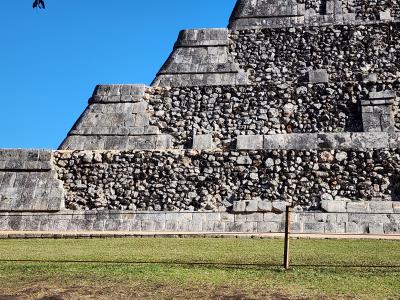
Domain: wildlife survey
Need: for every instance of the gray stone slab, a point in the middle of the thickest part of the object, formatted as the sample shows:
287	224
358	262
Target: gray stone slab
250	142
318	76
370	140
333	206
203	142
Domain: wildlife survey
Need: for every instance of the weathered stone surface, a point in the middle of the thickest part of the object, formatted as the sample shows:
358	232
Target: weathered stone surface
333	206
203	142
318	76
381	206
201	57
250	142
28	183
219	180
290	13
283	102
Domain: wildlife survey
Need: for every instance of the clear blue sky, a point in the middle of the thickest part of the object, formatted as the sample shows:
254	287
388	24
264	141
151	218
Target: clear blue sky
52	59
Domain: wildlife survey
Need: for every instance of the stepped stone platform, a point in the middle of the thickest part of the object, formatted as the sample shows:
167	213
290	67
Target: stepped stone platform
296	103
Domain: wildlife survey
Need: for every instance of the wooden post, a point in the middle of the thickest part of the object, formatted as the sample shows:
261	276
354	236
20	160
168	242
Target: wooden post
286	264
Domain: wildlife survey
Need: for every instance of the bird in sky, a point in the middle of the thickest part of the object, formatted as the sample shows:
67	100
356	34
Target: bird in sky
39	4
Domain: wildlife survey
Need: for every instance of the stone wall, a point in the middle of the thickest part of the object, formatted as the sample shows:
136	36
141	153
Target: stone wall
215	180
229	111
347	52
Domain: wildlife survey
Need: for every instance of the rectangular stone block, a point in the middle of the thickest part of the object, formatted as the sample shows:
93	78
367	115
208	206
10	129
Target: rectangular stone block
368	218
268	227
250	142
361	206
318	76
302	141
381	206
333	206
334	141
396	207
370	140
203	142
356	228
376	228
314	227
385	15
335	227
391	228
255	217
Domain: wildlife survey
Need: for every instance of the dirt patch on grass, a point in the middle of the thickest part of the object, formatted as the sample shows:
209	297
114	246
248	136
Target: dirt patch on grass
158	292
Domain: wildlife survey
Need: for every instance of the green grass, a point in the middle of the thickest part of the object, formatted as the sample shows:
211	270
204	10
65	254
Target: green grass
322	269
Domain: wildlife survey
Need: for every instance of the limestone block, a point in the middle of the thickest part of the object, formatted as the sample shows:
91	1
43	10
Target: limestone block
318	76
203	142
314	227
202	37
396	207
251	206
370	140
239	206
381	206
334	141
226	217
360	206
255	217
164	141
391	228
385	15
264	206
302	141
335	227
368	218
356	228
278	141
274	217
376	228
268	227
250	142
333	206
291	141
279	207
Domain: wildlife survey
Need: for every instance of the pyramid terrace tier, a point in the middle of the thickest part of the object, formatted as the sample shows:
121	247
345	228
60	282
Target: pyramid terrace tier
345	52
226	180
290	13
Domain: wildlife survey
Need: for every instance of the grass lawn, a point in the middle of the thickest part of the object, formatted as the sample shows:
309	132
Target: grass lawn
162	268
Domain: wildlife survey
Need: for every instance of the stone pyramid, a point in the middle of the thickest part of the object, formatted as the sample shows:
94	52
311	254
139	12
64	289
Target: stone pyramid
295	103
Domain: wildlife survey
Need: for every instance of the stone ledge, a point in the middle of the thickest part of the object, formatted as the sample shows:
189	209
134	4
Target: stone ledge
320	141
119	89
25	160
203	37
114	142
205	223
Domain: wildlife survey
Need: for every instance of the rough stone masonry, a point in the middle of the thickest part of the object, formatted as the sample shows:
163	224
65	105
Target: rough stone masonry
295	103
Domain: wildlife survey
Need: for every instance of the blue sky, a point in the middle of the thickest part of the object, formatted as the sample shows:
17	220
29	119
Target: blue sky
52	59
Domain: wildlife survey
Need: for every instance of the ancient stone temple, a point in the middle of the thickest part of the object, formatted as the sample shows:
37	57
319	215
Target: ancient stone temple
295	103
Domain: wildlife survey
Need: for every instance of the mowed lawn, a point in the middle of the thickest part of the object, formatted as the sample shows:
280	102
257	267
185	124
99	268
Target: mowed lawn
202	268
